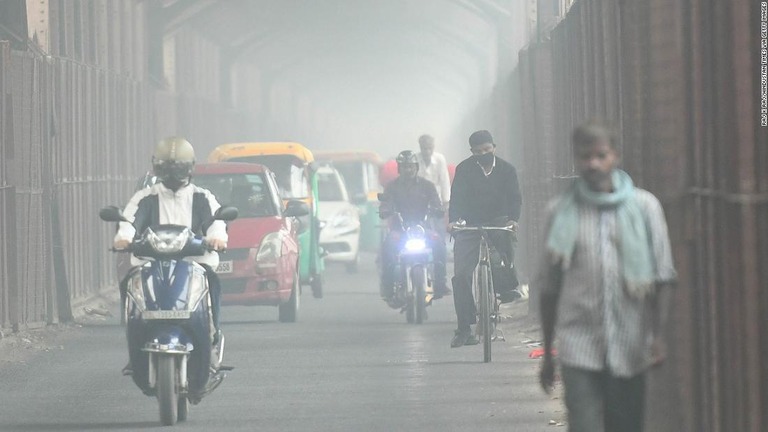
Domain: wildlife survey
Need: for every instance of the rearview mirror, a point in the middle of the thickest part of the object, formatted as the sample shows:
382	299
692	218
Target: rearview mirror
296	208
226	213
111	214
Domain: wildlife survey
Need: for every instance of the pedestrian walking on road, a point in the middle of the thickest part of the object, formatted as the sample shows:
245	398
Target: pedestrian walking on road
604	288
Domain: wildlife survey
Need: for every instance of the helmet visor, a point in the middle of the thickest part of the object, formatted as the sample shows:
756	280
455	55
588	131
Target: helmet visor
172	170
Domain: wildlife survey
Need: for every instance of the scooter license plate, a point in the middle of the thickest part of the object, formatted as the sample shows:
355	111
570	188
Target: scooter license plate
166	314
224	267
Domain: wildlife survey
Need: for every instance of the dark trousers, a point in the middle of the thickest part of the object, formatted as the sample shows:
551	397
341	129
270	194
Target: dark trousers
466	252
391	246
600	402
214	290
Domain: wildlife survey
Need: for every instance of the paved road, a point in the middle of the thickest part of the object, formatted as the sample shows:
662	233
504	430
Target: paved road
350	364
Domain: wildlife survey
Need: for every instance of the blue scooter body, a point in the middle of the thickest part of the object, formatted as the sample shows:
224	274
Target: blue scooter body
173	317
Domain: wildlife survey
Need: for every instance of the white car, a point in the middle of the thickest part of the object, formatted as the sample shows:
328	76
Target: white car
339	219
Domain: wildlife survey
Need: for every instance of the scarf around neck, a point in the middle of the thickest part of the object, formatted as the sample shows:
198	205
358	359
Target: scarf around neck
635	256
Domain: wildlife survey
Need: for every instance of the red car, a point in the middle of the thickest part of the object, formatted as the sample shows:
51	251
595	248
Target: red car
260	266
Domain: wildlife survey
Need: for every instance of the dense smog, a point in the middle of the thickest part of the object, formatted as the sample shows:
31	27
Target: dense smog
384	215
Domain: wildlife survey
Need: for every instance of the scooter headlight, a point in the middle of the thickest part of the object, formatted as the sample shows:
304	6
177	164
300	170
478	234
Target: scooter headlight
168	242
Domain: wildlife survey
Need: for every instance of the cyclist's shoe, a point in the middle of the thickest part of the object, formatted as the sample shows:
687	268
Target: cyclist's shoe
460	338
394	302
128	369
519	293
472	340
509	296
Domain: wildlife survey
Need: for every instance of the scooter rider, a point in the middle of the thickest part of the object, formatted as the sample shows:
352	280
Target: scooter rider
414	198
175	200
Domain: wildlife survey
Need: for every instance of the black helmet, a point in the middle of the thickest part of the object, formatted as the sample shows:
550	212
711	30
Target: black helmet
173	161
407	157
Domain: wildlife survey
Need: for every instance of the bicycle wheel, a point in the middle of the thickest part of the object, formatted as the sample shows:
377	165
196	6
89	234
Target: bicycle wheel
485	311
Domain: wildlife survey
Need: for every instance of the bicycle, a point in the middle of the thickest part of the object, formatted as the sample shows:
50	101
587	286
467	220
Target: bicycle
486	303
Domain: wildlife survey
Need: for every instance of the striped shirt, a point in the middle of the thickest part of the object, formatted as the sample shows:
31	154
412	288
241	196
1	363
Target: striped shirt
599	326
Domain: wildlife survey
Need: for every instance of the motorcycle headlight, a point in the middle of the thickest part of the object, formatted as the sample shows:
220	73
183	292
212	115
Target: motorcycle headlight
344	218
415	244
416	239
271	247
167	242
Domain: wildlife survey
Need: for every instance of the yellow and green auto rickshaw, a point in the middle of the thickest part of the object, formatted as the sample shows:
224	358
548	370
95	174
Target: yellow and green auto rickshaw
360	170
293	166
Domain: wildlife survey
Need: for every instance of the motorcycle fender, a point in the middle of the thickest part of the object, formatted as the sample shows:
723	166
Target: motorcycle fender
170	340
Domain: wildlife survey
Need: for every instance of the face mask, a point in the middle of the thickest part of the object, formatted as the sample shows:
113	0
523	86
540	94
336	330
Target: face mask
484	159
174	184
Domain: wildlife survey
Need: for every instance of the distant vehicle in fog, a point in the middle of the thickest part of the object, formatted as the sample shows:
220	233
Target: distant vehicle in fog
360	171
340	219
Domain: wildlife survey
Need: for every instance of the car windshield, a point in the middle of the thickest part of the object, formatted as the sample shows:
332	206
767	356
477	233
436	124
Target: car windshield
289	172
329	187
352	173
248	192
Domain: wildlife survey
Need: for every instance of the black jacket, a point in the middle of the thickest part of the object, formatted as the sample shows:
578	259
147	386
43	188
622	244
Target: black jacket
482	200
412	199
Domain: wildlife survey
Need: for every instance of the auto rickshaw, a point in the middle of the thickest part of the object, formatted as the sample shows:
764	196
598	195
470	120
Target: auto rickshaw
293	166
360	170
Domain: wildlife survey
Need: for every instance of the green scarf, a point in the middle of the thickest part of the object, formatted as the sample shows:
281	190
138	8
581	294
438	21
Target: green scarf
635	255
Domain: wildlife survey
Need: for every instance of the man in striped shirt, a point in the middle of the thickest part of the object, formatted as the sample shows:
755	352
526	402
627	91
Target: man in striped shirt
604	283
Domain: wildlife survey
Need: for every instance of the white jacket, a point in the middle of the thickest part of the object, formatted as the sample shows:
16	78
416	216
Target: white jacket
190	206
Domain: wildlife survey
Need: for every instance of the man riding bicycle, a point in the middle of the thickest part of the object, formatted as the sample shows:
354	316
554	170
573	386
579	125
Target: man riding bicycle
414	198
485	192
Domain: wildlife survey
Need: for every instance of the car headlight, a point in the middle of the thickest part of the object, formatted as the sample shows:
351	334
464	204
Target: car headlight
167	242
271	247
344	218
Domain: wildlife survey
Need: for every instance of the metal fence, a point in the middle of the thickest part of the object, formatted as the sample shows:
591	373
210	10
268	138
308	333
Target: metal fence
678	79
74	138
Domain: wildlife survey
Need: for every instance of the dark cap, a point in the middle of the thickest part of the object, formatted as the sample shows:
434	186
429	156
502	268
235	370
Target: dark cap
480	137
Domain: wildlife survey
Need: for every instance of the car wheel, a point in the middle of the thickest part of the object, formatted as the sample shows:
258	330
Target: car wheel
289	312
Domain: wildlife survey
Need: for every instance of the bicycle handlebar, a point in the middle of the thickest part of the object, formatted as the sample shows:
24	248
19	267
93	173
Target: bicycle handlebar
484	228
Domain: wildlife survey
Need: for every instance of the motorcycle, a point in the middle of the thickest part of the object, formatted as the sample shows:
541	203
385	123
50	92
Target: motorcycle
414	267
169	326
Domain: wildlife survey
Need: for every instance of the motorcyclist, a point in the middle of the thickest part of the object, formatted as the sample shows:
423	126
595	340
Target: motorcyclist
175	200
414	198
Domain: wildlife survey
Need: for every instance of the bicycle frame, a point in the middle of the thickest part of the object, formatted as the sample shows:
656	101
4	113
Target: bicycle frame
486	304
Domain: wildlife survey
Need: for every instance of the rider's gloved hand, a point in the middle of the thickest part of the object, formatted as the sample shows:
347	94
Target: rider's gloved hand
215	244
121	244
